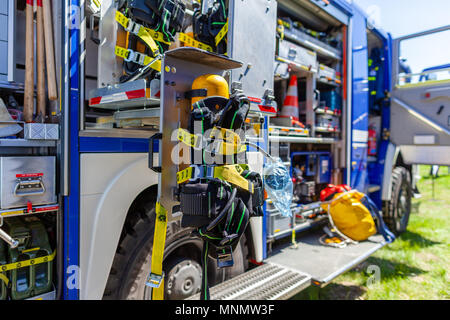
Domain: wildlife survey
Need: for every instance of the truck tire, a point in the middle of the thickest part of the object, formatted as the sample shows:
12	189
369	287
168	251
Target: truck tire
399	208
182	257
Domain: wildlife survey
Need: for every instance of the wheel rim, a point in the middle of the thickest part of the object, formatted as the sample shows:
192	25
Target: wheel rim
181	281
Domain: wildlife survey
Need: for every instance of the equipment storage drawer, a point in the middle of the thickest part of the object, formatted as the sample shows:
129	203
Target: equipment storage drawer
327	73
301	56
25	180
277	223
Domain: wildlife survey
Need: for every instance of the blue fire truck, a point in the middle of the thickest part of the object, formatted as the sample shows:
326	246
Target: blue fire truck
85	196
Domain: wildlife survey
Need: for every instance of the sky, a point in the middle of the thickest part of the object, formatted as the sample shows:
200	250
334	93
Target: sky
403	17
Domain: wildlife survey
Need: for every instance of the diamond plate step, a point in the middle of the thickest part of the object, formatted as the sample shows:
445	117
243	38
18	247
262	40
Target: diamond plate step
266	282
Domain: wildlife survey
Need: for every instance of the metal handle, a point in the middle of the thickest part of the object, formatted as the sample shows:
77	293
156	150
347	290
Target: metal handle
29	182
8	239
292	54
157	136
94	38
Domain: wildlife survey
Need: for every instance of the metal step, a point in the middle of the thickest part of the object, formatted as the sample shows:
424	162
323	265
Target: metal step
323	263
266	282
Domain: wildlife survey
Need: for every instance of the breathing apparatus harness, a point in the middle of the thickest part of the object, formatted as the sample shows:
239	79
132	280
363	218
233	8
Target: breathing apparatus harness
212	26
218	193
151	27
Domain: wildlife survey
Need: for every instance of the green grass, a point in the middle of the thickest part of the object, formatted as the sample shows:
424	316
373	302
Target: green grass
416	265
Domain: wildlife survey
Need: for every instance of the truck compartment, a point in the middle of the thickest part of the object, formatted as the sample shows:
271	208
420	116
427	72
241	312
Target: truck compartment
29	166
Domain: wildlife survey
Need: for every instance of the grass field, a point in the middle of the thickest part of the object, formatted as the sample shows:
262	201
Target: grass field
416	265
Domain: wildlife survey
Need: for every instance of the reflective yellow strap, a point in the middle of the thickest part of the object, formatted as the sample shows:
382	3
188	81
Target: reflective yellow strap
280	29
184	175
142	32
220	147
159	242
147	38
191	42
121	19
4	279
232	174
27	263
97	3
228	149
124	54
188	138
158	36
226	135
229	173
222	33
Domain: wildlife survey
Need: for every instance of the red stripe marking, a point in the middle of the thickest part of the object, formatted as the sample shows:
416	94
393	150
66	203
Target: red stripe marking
255	100
135	94
95	101
29	175
267	108
30	2
39	3
47	209
256	262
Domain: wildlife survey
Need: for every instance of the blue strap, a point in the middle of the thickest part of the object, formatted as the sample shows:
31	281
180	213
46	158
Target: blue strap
388	236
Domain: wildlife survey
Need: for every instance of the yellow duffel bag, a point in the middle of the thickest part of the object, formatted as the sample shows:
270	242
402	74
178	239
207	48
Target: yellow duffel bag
350	216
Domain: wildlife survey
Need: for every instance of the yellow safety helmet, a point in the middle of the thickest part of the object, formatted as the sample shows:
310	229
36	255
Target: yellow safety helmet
214	85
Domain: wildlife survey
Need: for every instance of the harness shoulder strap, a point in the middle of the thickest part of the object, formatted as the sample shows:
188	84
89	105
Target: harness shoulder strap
138	30
156	277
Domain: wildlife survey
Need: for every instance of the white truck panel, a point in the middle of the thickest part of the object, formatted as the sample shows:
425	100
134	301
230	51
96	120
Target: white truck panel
104	205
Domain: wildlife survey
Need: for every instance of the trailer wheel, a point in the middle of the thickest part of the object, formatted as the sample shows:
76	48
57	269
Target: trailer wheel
182	257
399	208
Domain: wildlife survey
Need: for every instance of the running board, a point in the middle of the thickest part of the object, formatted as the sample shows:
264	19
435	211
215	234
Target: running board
290	270
266	282
323	263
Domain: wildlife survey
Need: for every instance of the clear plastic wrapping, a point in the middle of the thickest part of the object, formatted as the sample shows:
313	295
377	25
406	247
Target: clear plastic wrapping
278	185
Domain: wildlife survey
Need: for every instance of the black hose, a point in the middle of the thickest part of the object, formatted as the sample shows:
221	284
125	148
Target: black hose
224	211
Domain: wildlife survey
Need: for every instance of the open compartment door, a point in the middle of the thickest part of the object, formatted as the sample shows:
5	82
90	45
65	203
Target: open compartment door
420	105
251	38
180	67
323	263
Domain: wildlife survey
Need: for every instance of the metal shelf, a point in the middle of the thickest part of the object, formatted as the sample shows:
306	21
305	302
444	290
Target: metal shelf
24	143
291	139
328	83
323	111
7	213
296	67
135	94
288	131
312	43
326	130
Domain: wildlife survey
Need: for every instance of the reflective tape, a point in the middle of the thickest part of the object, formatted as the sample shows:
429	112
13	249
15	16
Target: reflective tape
137	57
191	42
222	33
27	263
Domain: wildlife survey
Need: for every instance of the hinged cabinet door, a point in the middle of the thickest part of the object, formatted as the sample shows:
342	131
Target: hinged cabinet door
420	104
251	39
